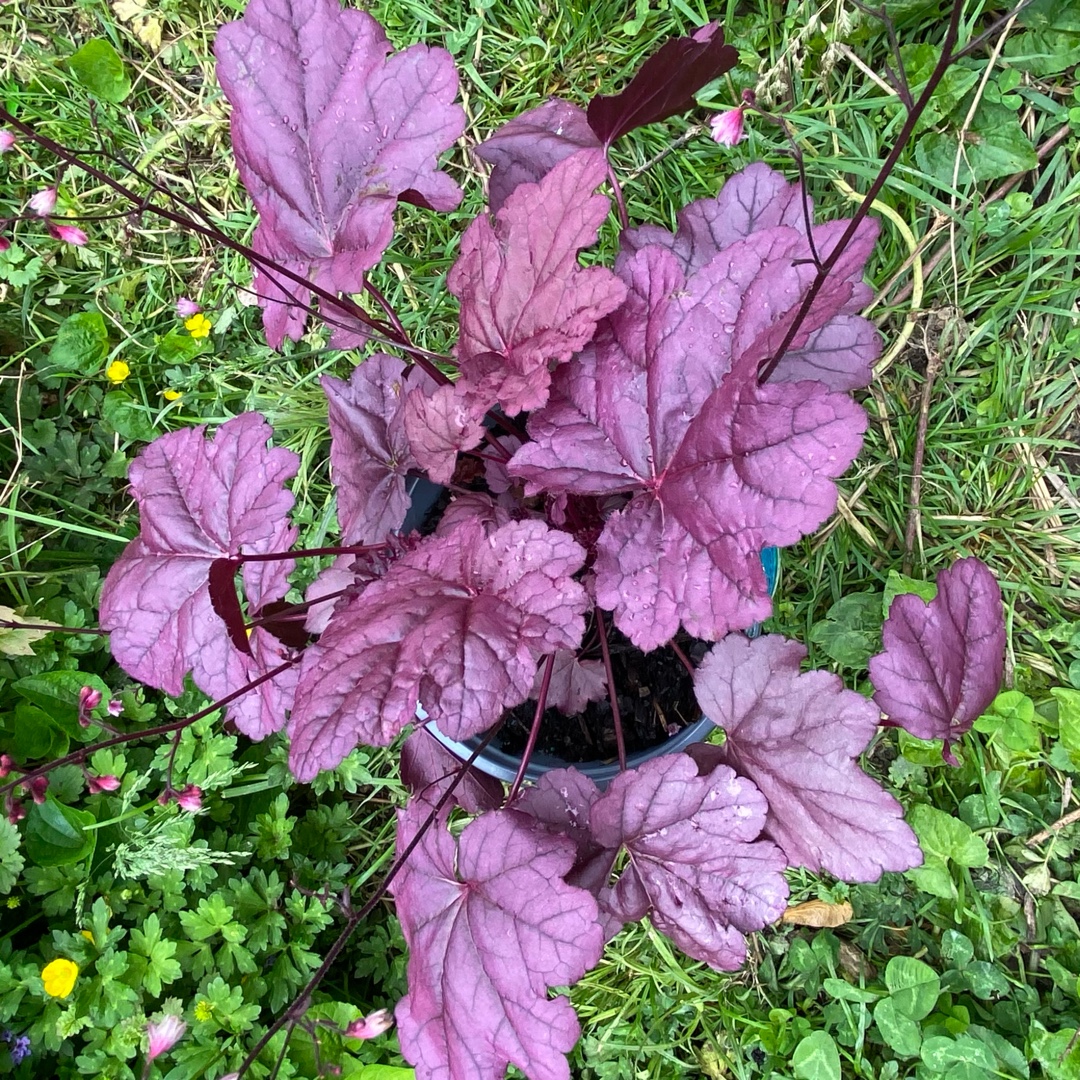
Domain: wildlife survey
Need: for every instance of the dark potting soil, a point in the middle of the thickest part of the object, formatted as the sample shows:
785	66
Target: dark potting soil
656	700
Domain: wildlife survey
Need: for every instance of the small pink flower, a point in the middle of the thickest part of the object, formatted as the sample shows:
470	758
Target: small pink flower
367	1027
164	1035
190	798
15	811
97	784
4	243
727	127
5	765
38	786
115	707
68	233
44	202
185	308
7	140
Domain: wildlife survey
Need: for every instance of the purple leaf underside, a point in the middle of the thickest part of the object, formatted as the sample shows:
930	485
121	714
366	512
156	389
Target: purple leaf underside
798	738
329	129
490	926
664	85
370	452
202	501
944	660
525	301
457	624
573	684
428	769
664	406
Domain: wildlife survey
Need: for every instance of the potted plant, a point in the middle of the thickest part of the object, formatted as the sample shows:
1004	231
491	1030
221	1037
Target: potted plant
619	444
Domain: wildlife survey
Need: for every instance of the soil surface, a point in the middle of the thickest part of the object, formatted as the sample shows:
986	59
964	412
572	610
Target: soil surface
655	696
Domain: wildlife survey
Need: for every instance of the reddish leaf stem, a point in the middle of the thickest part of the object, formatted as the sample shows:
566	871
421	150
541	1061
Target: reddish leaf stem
15	624
303	1000
913	116
534	731
77	757
682	657
620	743
305	553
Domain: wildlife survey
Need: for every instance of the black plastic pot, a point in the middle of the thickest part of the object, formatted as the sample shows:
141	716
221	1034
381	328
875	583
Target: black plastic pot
503	766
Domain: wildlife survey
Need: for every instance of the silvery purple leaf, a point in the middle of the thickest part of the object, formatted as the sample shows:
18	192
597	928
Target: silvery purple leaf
491	926
944	660
457	624
696	865
524	150
798	737
665	406
330	128
369	451
200	501
573	684
525	301
439	424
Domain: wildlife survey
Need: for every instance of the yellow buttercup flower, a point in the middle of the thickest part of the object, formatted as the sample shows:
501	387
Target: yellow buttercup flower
13	902
117	372
171	395
198	326
59	977
203	1009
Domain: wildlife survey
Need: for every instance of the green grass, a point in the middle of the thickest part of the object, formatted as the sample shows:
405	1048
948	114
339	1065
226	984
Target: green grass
999	476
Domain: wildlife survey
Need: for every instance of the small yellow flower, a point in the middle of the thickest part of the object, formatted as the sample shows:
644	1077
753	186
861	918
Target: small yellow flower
117	372
59	977
203	1009
88	934
13	902
171	395
198	326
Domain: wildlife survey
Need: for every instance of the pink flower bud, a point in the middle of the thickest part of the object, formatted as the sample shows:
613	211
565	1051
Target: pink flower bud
185	308
89	698
727	127
4	244
115	707
190	798
68	233
164	1035
15	811
7	140
38	786
44	202
5	765
97	784
367	1027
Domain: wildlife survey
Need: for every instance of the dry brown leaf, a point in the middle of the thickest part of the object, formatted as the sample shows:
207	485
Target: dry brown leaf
818	913
145	27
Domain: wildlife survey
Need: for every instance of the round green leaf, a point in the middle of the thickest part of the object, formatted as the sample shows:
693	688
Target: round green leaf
900	1033
816	1058
128	419
36	736
98	67
914	987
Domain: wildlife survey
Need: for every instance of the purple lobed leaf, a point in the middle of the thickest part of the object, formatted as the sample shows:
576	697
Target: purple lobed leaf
943	661
525	301
329	130
370	452
573	684
491	926
201	501
665	406
664	85
524	150
458	624
695	863
798	737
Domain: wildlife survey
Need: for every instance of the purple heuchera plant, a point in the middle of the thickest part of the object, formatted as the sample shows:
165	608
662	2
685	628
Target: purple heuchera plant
635	467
